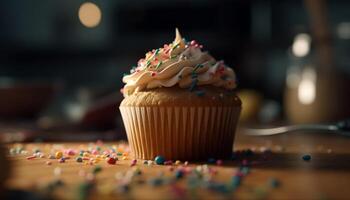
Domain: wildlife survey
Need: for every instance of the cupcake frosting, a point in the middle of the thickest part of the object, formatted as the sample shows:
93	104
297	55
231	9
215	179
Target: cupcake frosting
179	63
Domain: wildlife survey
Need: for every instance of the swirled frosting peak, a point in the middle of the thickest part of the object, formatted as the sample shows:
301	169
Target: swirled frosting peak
178	63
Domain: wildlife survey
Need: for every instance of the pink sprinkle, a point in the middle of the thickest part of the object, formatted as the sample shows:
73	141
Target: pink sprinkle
48	162
71	152
122	90
193	42
201	46
30	157
244	162
133	162
219	162
94	152
187	169
196	45
168	162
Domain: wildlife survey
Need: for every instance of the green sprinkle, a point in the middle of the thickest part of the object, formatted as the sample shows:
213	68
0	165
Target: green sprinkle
174	56
159	64
148	63
156	52
97	169
175	46
197	66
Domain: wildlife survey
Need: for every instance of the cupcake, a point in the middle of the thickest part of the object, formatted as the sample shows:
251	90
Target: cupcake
179	102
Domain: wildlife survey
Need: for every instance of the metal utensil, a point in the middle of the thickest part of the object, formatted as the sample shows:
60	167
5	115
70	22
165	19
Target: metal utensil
341	128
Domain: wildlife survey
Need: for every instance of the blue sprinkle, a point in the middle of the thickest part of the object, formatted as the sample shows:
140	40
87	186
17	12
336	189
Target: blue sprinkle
236	181
245	170
156	181
274	183
193	85
218	187
194	75
306	157
159	160
233	156
200	93
248	152
212	160
179	174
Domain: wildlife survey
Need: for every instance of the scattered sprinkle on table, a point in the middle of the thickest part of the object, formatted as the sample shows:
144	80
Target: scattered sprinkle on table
306	157
159	160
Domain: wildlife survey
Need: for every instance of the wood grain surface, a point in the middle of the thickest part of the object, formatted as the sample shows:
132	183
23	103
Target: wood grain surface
325	176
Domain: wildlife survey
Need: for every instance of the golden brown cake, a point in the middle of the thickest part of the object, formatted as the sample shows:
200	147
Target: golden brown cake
180	103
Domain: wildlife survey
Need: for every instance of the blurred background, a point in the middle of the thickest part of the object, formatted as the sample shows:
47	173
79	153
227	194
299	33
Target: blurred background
62	61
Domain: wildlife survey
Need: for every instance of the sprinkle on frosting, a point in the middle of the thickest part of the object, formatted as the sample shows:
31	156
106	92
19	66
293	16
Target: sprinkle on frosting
178	63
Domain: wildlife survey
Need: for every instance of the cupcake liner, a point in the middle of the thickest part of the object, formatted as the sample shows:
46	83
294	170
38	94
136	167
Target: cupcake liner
184	133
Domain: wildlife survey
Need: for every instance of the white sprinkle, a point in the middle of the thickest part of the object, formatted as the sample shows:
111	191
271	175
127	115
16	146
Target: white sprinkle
57	171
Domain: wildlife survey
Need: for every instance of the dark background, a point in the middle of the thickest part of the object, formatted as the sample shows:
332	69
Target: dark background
45	41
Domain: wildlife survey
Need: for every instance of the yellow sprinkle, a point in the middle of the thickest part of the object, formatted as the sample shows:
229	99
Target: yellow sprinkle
86	154
59	154
177	162
124	158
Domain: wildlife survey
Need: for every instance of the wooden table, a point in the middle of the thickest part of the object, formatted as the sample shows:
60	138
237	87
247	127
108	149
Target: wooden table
325	176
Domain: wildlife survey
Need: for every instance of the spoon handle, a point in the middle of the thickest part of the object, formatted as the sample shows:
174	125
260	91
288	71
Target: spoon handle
341	127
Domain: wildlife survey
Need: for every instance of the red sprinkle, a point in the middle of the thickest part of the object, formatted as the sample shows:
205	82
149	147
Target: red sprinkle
30	157
111	161
153	74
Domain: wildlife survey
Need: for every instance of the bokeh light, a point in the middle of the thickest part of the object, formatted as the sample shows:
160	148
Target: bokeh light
90	14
